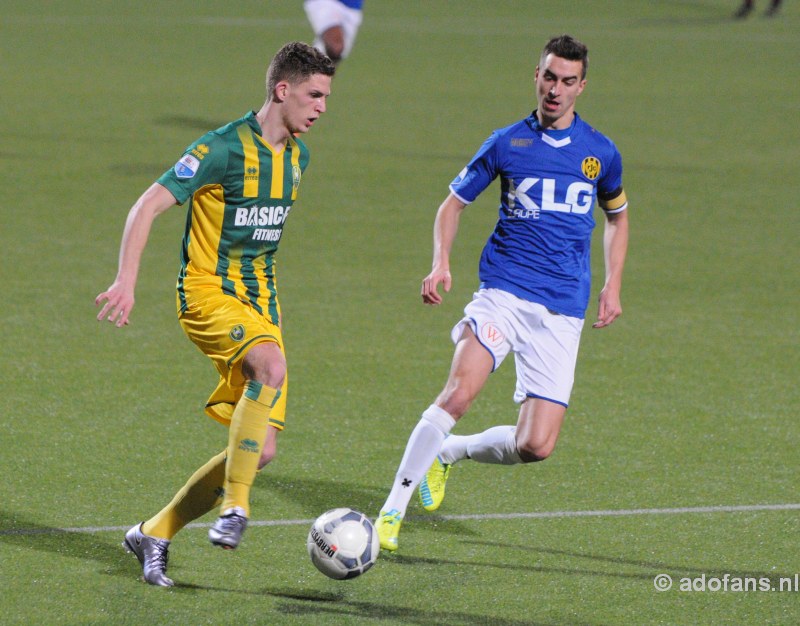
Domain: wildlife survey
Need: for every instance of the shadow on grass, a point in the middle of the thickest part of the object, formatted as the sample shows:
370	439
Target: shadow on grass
309	603
25	533
288	594
654	567
405	615
519	567
316	496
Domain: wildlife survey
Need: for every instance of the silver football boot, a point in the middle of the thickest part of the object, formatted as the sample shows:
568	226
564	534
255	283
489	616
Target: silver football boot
227	530
152	554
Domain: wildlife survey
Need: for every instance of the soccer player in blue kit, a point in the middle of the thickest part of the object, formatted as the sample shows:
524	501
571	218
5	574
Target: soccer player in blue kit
335	24
534	282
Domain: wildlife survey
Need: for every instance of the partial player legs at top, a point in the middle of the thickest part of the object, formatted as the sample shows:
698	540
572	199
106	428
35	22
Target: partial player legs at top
333	41
747	6
335	24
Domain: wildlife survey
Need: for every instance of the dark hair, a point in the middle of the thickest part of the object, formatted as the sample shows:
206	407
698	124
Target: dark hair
296	62
567	48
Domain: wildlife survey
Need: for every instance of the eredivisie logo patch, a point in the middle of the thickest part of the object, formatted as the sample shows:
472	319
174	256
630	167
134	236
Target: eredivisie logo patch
187	166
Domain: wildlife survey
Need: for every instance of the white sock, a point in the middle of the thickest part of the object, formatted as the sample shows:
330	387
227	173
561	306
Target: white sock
422	447
495	445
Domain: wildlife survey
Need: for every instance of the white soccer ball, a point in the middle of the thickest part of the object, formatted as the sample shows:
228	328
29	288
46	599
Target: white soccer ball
343	543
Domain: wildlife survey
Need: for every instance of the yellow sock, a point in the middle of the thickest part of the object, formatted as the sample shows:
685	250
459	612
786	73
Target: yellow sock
245	440
201	493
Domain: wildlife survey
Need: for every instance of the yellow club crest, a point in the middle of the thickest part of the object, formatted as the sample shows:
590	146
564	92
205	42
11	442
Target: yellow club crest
591	167
237	332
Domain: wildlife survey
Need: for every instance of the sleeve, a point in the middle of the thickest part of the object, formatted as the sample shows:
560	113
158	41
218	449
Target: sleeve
610	194
479	172
203	163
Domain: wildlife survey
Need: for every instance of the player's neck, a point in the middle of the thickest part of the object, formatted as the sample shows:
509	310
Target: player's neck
273	130
559	123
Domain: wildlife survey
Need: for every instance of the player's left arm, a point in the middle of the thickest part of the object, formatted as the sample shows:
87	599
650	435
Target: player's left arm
615	249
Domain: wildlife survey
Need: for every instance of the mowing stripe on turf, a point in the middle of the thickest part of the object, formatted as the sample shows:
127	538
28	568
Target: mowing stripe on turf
746	508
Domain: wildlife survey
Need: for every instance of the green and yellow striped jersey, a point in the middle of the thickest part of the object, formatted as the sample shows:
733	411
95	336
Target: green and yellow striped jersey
240	191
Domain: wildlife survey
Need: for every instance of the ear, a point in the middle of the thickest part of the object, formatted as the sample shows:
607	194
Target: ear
581	86
281	91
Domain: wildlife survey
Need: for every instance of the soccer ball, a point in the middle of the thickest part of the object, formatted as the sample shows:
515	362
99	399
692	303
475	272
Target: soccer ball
343	543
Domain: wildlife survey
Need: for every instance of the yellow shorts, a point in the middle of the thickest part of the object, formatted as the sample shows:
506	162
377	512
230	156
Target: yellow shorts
224	329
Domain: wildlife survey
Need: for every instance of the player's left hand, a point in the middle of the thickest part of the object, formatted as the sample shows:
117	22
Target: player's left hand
609	308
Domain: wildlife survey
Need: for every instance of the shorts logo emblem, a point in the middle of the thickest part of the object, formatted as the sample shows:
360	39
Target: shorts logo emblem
492	335
237	332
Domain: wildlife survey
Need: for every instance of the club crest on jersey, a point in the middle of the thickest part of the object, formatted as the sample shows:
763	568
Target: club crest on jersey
187	166
591	167
237	332
296	173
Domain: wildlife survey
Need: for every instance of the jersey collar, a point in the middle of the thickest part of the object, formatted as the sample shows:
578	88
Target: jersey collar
555	138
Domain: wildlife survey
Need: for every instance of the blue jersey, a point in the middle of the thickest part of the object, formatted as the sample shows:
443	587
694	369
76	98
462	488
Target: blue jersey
549	182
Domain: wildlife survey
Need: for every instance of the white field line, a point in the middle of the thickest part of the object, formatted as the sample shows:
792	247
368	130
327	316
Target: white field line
747	508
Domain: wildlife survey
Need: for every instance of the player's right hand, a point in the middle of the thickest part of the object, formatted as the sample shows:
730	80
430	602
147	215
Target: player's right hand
118	304
430	286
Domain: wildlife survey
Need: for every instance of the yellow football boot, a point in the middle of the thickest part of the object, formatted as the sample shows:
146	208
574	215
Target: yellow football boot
431	488
388	527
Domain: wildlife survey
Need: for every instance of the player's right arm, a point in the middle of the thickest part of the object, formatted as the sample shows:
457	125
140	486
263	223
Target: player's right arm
445	228
118	297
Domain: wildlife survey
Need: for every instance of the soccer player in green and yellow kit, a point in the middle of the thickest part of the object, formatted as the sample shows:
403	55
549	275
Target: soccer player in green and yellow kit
241	181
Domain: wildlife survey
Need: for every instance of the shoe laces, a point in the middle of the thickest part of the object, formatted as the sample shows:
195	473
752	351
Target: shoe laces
160	555
439	476
391	517
232	521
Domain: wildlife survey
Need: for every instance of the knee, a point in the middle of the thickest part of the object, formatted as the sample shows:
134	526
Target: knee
334	53
455	401
333	39
265	364
275	374
533	451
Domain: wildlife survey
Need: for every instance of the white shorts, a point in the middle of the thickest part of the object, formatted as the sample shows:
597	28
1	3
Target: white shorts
325	14
545	344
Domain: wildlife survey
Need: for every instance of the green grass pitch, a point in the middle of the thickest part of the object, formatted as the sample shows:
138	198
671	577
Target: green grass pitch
679	453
